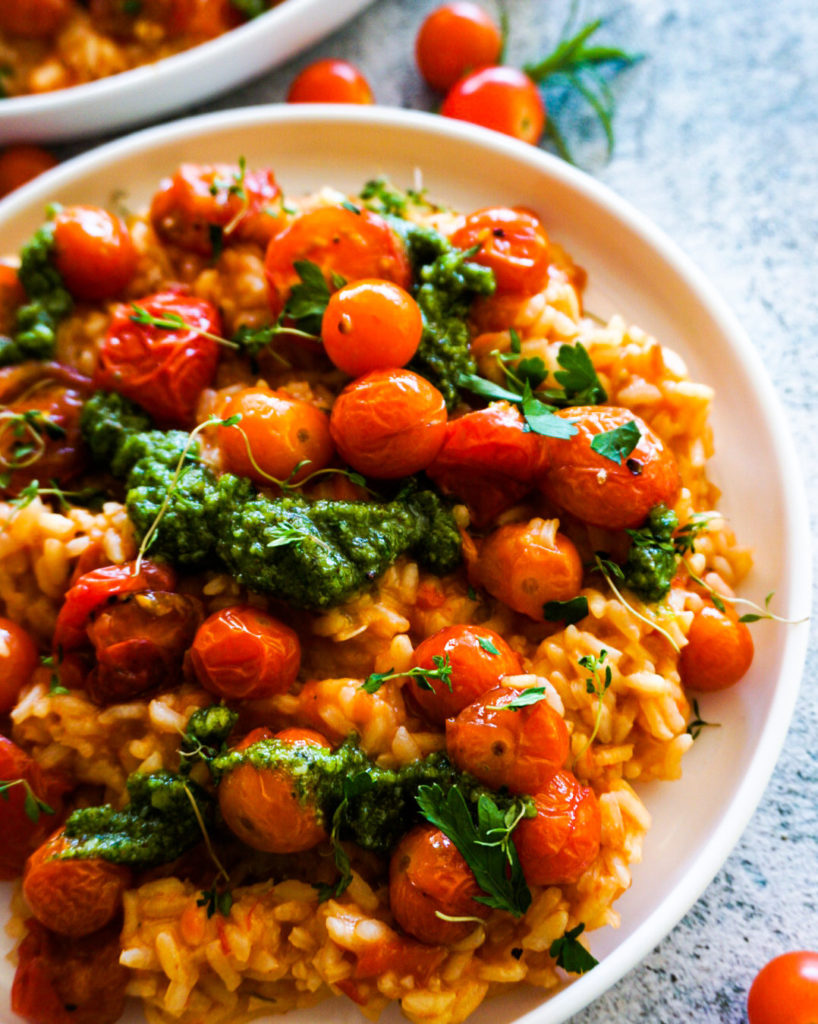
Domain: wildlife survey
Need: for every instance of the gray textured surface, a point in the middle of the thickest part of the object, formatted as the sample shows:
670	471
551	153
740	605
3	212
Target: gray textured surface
717	142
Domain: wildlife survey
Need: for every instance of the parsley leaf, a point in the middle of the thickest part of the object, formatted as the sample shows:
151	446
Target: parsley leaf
566	611
533	695
578	378
617	444
570	954
308	299
539	417
216	901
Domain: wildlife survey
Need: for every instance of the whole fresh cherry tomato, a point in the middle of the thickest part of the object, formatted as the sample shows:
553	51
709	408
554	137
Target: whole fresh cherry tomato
718	652
389	423
518	748
427	874
72	897
342	243
18	659
262	807
525	565
162	368
562	841
454	39
34	19
19	164
371	325
476	657
595	488
29	807
330	81
501	98
216	203
785	990
512	243
93	251
281	432
242	653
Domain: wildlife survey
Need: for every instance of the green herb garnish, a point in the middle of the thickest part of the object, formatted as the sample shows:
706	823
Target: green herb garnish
422	676
566	611
570	954
617	444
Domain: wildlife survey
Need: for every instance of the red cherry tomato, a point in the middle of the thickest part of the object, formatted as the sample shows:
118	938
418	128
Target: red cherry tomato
163	369
24	826
785	990
93	251
513	244
478	658
18	659
280	431
330	81
224	202
454	39
371	325
718	652
34	19
342	243
596	489
427	874
19	164
389	423
242	653
519	749
501	98
562	841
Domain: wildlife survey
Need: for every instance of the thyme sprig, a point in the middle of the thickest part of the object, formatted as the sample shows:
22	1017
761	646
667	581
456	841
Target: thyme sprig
29	430
33	806
422	676
598	683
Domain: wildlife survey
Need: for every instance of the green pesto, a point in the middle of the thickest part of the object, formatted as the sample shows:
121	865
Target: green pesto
206	735
651	561
107	421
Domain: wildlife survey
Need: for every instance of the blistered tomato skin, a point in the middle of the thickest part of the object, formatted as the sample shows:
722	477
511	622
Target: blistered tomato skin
718	652
596	489
330	81
785	991
94	252
512	243
19	164
389	423
500	97
20	833
453	40
242	653
519	749
18	659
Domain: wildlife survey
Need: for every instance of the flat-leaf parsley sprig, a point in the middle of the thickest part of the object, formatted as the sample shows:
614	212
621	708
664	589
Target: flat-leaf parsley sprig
570	954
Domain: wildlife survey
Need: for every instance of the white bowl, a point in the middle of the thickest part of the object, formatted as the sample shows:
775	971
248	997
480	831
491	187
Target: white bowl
148	92
635	269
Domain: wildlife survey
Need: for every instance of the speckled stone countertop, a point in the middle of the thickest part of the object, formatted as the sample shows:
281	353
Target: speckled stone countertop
717	142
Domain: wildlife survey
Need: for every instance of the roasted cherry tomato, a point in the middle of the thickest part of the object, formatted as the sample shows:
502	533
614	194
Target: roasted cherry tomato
371	325
29	807
216	203
162	368
18	659
404	956
330	81
69	981
562	841
512	243
389	423
525	565
242	653
595	488
501	98
281	433
454	39
427	873
73	897
19	164
785	990
93	251
477	659
489	460
126	21
718	652
262	807
34	19
518	748
12	296
342	243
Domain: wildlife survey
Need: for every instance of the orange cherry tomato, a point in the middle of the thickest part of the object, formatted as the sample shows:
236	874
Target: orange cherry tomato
281	433
389	423
342	243
501	98
34	19
562	841
242	653
371	325
93	251
524	565
718	652
330	81
454	39
519	749
785	990
19	164
478	658
163	369
22	828
261	806
513	244
72	897
596	489
18	659
12	296
427	873
202	204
